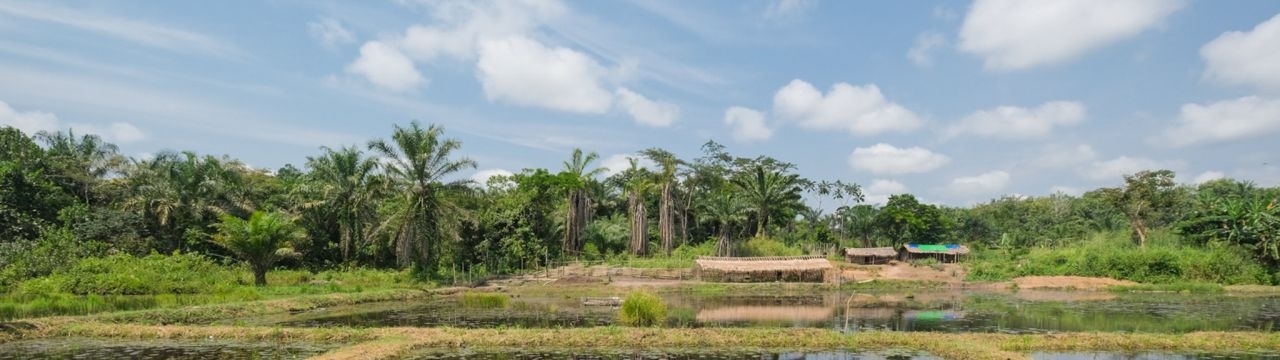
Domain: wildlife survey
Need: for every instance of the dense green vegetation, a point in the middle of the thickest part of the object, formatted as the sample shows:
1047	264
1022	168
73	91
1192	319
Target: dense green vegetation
72	208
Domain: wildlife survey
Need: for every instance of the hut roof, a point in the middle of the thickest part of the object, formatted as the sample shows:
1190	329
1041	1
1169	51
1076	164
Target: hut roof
949	249
769	263
880	251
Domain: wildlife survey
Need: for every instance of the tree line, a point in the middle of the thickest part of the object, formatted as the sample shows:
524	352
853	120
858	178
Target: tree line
404	202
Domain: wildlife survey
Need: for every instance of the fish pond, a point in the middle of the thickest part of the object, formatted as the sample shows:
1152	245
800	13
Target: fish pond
80	348
1021	312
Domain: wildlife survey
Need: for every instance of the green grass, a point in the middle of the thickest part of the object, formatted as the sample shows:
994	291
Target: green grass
1198	288
641	308
478	300
1114	255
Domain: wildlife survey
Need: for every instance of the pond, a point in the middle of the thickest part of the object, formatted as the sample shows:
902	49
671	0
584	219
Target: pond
1026	311
572	354
78	348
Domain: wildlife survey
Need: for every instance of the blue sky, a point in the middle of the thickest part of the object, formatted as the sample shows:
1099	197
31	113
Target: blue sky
955	101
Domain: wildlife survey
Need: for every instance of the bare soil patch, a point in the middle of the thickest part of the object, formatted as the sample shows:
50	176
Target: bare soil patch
946	273
1068	282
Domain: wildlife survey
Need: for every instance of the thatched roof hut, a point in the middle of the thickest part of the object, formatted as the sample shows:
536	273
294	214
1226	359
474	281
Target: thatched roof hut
944	253
880	255
763	269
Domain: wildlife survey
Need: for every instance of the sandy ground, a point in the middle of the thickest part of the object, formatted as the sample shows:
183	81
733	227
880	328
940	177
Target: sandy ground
949	273
1068	282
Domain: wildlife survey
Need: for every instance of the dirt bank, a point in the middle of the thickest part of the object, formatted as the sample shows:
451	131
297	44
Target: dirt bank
1068	282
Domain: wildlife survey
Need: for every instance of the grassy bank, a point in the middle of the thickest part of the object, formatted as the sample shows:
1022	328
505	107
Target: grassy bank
1165	260
949	346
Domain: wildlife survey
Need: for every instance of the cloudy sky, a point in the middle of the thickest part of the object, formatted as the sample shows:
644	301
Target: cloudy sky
954	101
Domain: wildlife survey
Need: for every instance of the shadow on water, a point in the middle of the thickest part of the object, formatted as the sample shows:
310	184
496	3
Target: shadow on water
1026	311
75	348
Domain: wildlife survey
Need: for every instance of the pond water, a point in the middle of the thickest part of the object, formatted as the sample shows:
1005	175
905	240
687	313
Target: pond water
432	354
1151	356
77	348
940	311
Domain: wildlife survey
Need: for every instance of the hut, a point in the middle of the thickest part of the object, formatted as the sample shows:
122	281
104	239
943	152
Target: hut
947	253
880	255
763	269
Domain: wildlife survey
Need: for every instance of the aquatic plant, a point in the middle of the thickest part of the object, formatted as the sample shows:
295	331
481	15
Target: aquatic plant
483	300
642	308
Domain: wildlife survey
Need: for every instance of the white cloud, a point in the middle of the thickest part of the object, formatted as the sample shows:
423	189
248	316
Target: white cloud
148	34
386	67
1017	34
1208	176
1251	57
887	159
522	71
1018	123
861	110
330	33
748	125
1069	190
1222	121
1116	169
481	178
878	192
926	42
32	122
29	122
618	163
645	111
982	184
787	9
1055	156
463	25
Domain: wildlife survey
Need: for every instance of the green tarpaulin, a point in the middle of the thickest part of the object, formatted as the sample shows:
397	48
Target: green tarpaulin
937	248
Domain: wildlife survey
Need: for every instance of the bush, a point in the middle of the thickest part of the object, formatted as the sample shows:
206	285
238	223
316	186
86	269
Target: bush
53	250
483	300
686	251
763	246
128	275
642	309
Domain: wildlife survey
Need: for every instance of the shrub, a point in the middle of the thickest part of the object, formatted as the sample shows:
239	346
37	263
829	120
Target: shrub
483	300
642	309
763	246
53	250
128	275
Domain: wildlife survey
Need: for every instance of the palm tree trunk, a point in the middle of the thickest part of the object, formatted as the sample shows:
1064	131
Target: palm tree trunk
259	274
722	245
665	227
760	222
639	230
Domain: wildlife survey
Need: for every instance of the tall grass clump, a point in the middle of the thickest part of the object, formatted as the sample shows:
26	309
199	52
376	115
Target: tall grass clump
484	300
642	308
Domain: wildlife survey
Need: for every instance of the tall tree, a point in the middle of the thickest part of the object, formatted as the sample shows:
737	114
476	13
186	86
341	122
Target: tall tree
766	190
1141	194
579	203
637	183
348	185
418	161
262	240
665	180
723	208
181	194
80	163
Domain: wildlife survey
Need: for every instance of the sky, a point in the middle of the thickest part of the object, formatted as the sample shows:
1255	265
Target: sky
956	102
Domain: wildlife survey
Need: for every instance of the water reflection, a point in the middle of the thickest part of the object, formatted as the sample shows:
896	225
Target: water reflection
942	311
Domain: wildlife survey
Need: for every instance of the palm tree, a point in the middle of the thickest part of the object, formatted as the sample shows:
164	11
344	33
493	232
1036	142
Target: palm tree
666	180
723	208
183	193
261	241
348	186
417	162
579	207
637	184
80	163
766	191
